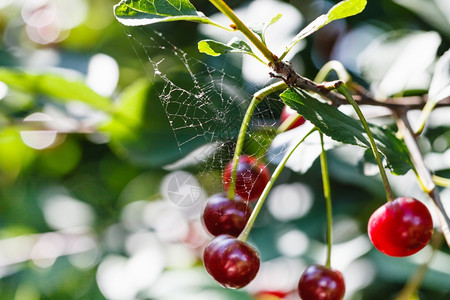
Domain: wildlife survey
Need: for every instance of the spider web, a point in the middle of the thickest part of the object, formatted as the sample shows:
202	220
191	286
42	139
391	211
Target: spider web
204	98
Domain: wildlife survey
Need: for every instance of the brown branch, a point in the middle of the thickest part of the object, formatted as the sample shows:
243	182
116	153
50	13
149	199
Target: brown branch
293	79
361	95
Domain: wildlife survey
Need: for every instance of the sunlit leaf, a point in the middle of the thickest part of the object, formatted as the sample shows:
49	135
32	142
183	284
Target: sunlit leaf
400	61
347	130
341	10
439	88
435	12
440	82
144	12
63	86
215	48
261	29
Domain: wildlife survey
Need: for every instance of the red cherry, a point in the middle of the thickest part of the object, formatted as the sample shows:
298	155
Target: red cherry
225	216
400	227
321	283
286	113
231	262
251	177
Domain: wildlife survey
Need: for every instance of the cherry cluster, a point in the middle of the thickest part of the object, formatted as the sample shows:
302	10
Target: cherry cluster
230	261
401	227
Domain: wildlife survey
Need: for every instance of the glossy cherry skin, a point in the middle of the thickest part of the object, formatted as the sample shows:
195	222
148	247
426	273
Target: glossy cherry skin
251	177
321	283
286	113
223	215
231	262
400	227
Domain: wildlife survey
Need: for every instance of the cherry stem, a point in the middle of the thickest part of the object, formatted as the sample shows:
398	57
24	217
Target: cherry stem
227	11
346	93
425	114
246	231
257	98
335	65
344	76
441	181
327	195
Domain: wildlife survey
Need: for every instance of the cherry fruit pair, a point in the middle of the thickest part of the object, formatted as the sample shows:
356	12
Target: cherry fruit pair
230	261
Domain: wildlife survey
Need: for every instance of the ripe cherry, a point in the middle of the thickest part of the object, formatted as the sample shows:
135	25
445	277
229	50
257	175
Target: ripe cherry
231	262
251	177
321	283
286	113
400	227
223	215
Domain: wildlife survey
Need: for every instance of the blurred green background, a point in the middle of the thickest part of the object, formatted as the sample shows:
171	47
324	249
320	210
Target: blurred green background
92	142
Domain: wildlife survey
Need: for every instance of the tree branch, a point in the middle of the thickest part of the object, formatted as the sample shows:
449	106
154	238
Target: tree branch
361	95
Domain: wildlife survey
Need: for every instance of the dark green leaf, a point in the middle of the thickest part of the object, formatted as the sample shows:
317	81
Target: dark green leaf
347	130
64	86
144	12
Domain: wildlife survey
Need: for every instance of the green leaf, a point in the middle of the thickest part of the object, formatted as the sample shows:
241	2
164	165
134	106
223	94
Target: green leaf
347	130
345	9
65	86
215	48
145	12
341	10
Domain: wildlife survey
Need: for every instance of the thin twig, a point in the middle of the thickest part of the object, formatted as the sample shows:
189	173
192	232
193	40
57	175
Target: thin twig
423	173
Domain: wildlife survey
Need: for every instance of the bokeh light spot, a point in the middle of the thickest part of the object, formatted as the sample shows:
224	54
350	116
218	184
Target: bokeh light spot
290	201
63	212
293	243
103	74
3	90
38	139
